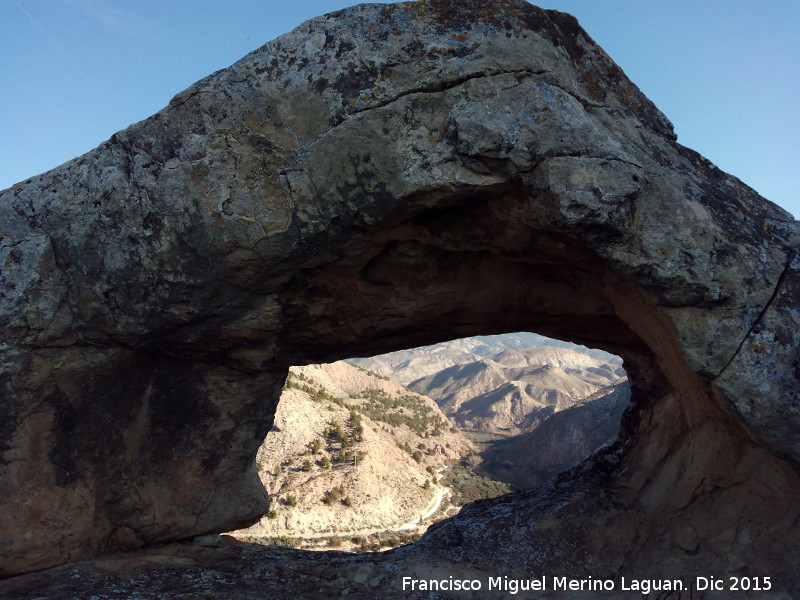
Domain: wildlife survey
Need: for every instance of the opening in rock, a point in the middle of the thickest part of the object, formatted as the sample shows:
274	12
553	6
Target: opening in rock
366	454
301	208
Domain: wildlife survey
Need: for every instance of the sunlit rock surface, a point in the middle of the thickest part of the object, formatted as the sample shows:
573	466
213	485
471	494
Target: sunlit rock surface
384	177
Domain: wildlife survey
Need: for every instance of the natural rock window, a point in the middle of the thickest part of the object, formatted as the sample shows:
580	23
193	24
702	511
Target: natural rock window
384	177
366	454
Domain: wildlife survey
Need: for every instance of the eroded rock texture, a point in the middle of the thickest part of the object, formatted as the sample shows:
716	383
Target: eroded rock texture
384	177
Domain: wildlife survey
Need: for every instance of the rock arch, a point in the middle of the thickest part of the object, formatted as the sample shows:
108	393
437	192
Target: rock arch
387	176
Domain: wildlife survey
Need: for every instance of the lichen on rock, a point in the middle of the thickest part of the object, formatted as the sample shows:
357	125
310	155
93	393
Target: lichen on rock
384	177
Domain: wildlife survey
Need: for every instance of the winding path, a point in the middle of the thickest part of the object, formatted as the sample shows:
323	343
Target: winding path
436	502
433	506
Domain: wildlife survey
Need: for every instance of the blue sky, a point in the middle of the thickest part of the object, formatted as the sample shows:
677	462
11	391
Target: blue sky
727	73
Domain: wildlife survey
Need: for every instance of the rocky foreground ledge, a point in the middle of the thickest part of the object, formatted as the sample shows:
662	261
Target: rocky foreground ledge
384	177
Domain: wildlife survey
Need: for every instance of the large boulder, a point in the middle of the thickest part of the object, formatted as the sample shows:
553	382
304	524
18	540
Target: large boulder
379	178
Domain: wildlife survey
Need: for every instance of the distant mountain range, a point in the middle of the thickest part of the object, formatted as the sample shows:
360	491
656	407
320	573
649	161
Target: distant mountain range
514	391
537	406
406	366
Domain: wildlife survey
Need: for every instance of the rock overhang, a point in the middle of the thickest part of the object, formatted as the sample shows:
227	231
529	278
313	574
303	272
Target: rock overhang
385	175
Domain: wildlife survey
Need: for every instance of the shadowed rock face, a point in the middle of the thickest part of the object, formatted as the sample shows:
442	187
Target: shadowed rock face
383	177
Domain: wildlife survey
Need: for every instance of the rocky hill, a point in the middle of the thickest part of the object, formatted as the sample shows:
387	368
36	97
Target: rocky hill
516	390
535	406
350	453
560	442
382	177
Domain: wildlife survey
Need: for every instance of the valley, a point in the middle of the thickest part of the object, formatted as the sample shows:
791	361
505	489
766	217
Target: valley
366	454
353	454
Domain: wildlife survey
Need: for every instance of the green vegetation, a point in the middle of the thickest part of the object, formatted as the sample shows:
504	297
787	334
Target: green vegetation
478	437
409	409
386	539
333	495
335	434
298	381
415	454
290	500
341	441
356	426
367	371
468	486
282	540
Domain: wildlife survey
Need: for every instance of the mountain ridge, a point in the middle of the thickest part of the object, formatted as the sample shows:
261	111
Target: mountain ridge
406	366
514	390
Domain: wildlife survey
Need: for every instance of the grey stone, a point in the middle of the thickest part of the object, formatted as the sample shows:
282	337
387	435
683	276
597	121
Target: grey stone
384	177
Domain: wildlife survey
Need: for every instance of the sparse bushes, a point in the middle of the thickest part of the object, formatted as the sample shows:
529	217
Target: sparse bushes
334	433
333	495
283	540
409	410
290	500
387	539
356	426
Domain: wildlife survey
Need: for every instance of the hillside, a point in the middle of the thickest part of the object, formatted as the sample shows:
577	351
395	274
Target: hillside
559	442
351	452
516	390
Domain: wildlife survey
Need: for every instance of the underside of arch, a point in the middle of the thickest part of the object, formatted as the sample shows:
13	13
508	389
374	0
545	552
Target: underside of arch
385	177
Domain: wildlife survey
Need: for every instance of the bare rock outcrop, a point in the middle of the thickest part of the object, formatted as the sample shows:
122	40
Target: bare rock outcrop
384	177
